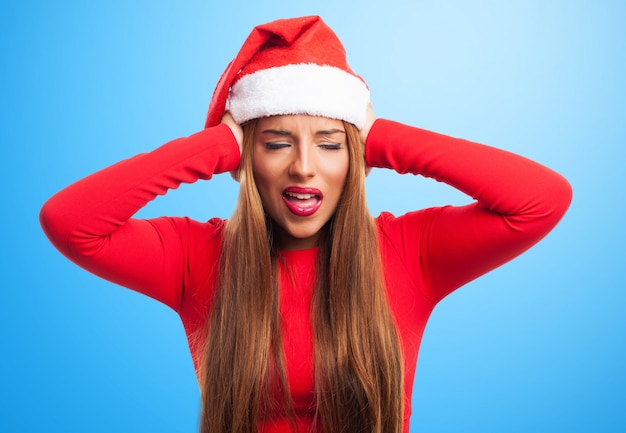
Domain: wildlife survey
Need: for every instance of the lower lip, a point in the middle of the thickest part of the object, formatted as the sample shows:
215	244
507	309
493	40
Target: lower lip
302	211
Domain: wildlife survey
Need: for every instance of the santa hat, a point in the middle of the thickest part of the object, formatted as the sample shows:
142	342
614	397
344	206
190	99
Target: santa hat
290	66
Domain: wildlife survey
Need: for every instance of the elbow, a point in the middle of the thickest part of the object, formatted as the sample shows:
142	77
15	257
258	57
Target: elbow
555	202
48	220
53	220
562	195
545	207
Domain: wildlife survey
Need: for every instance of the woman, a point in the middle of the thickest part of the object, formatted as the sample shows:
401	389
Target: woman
303	312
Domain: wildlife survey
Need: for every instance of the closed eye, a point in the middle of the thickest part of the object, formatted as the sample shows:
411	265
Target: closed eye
331	146
276	146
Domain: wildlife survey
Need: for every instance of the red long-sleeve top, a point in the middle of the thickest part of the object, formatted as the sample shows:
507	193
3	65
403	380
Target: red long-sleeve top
426	254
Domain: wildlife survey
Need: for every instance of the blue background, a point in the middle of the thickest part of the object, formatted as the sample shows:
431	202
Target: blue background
537	345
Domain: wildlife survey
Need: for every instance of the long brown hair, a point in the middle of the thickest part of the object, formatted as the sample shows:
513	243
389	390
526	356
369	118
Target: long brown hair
358	360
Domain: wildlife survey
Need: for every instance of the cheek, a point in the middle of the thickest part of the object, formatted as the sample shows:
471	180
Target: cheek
257	168
338	171
263	179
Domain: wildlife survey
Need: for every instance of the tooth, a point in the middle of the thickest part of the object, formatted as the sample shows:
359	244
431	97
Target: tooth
301	196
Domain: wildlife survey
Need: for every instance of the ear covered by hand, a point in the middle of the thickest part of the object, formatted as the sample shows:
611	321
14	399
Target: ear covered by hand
235	128
237	131
370	118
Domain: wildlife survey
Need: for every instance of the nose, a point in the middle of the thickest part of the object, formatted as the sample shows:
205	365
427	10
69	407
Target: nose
304	164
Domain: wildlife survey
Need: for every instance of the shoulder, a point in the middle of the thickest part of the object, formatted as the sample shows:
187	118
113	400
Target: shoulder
405	240
201	245
210	228
195	238
410	224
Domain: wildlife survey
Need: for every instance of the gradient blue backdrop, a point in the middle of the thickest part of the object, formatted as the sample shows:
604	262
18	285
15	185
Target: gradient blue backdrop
537	345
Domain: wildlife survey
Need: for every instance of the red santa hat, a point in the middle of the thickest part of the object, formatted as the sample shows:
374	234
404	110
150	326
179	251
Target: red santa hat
290	66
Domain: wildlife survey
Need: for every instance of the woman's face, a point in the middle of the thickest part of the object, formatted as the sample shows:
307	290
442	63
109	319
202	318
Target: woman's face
300	165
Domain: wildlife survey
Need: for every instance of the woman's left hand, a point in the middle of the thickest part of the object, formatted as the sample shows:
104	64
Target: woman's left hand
370	117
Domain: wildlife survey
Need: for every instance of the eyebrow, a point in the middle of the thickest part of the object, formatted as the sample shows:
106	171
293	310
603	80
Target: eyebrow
289	133
330	132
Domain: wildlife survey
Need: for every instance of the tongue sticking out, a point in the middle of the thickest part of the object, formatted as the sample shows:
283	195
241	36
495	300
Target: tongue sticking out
302	204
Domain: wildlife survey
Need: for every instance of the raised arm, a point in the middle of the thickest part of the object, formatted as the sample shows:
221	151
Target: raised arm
518	202
91	222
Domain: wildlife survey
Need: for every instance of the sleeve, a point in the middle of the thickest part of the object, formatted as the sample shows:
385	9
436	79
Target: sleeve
517	202
91	222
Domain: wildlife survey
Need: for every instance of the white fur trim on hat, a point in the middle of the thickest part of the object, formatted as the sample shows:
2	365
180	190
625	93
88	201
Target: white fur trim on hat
311	89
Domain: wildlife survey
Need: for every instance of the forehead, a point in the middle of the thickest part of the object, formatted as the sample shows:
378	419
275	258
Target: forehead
299	123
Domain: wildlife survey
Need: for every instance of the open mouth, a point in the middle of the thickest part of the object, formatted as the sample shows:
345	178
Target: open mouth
302	201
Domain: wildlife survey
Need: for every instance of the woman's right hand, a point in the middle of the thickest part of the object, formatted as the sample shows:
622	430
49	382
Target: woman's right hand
235	128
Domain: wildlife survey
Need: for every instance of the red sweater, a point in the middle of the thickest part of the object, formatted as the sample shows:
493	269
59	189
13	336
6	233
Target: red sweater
426	254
